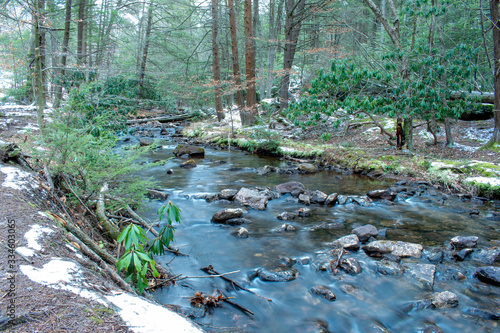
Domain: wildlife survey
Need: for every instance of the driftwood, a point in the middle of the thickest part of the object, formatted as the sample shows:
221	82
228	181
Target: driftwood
164	119
236	305
337	256
210	270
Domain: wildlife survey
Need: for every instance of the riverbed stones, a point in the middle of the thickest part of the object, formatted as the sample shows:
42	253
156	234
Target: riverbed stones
305	199
387	267
318	197
445	299
280	274
287	216
252	198
307	168
145	142
401	249
462	254
289	187
489	274
227	194
349	242
188	164
350	266
285	227
331	199
422	272
365	232
323	291
240	233
487	256
460	242
381	195
305	212
484	314
191	151
221	216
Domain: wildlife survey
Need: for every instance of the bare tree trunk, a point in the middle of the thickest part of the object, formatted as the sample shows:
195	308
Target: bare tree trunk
274	30
144	60
80	34
39	50
64	56
292	29
216	61
495	137
248	116
235	59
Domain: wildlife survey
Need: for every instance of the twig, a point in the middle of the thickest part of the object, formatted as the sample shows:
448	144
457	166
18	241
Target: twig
78	197
22	256
236	305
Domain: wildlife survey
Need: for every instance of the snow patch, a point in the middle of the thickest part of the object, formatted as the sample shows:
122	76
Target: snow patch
140	314
464	147
34	234
481	135
493	181
16	178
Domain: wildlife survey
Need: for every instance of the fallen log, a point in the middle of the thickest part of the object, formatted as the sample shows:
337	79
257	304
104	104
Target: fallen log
163	119
486	97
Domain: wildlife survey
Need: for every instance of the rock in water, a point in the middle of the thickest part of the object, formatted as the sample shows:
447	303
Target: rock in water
192	151
307	168
365	232
227	194
225	214
289	187
188	164
401	249
460	242
251	198
240	233
324	292
282	274
351	266
331	199
349	242
489	274
318	197
445	299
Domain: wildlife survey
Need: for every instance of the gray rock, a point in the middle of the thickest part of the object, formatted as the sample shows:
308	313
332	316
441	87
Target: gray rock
287	216
417	305
460	242
331	199
382	195
192	151
236	221
484	314
318	197
462	254
251	198
188	164
305	199
281	274
227	194
341	199
286	228
489	257
307	168
225	214
435	256
289	187
349	242
240	233
401	249
324	292
266	170
305	212
489	274
386	267
422	272
351	266
445	299
145	142
365	232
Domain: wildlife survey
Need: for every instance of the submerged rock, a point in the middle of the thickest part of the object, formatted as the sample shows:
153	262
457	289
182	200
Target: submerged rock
489	274
484	314
349	242
324	292
188	164
287	216
223	215
381	195
462	254
240	232
365	232
286	228
304	212
387	267
252	198
422	272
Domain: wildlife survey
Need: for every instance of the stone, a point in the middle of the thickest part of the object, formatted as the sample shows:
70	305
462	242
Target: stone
435	256
286	228
192	151
350	266
484	314
287	216
289	187
155	194
417	305
266	170
387	267
225	214
324	292
489	274
488	257
462	254
145	142
445	299
305	212
170	171
188	164
227	194
240	233
422	272
307	168
349	242
236	221
251	198
305	199
401	249
318	197
381	194
281	274
331	199
460	242
341	199
365	232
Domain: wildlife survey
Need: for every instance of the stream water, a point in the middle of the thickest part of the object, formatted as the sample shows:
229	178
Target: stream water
367	302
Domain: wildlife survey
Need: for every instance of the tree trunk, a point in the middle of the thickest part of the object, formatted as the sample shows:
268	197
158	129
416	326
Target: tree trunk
449	135
80	60
495	138
142	70
235	60
292	29
216	61
250	112
64	56
39	49
274	30
408	129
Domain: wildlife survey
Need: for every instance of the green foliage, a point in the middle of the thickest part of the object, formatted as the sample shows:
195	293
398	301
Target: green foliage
325	136
138	257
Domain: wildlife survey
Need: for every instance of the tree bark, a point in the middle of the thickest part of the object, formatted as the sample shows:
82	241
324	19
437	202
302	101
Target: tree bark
80	60
235	59
495	137
274	30
64	56
293	22
216	61
142	70
248	116
39	50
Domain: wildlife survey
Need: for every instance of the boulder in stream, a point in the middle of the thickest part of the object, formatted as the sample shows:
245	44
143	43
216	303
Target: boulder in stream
227	194
280	274
191	151
252	198
445	299
188	164
305	199
307	168
349	242
401	249
240	232
350	266
331	199
460	242
223	215
422	272
287	216
381	195
387	267
318	197
324	292
365	232
289	187
489	274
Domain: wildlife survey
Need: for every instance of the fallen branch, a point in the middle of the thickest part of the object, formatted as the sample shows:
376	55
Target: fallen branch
164	119
236	305
210	270
78	197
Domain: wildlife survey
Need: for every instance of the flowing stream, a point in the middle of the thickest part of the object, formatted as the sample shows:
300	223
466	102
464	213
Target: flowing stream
367	302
